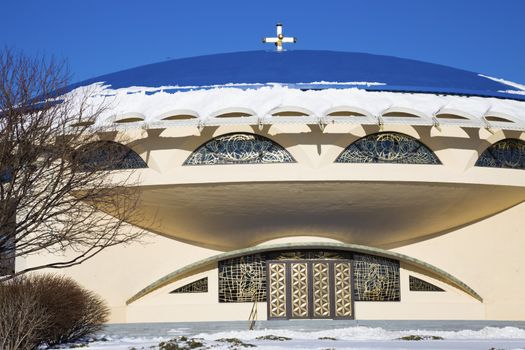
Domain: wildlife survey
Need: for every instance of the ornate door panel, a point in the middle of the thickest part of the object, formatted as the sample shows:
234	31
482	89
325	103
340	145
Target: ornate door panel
321	290
277	290
310	289
343	290
299	290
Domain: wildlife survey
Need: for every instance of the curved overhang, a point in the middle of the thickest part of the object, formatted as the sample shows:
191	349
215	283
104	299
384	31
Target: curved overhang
378	212
210	263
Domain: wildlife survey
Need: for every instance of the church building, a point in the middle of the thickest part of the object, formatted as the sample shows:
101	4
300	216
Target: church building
303	184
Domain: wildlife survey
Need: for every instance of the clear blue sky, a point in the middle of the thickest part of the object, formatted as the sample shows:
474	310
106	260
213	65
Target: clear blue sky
104	36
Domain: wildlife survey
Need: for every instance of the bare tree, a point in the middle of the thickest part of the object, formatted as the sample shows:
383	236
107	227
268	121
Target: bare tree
55	174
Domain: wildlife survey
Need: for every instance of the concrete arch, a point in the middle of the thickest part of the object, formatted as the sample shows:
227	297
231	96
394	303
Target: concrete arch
130	117
506	118
349	109
291	109
461	115
221	113
177	112
209	263
403	111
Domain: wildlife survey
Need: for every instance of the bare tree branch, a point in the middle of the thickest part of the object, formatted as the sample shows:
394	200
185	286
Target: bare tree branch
55	174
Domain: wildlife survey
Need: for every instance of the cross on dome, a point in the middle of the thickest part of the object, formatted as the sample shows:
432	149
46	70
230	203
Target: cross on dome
280	39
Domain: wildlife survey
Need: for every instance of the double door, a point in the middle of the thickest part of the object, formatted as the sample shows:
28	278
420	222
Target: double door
315	289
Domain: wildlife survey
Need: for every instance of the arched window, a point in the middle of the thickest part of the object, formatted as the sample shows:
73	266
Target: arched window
388	147
239	148
107	155
508	153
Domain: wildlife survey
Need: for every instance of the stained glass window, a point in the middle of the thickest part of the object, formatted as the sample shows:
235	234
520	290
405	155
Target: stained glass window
376	278
388	147
239	148
198	286
418	285
508	153
107	155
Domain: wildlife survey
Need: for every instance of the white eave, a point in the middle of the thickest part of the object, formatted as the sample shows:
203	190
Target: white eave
148	108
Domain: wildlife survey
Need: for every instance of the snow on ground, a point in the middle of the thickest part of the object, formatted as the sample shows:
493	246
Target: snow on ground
320	335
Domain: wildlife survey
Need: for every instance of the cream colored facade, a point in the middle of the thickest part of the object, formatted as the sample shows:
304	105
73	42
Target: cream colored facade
457	226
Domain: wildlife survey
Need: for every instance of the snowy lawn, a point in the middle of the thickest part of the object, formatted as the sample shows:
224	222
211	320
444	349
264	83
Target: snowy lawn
316	335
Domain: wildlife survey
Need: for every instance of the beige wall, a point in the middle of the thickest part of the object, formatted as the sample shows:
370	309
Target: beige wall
485	253
488	256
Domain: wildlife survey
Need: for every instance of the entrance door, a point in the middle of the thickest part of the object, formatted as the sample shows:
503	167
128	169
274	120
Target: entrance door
310	289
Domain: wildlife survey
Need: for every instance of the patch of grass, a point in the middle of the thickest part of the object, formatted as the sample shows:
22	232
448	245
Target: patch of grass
420	337
235	342
194	344
327	338
181	343
272	337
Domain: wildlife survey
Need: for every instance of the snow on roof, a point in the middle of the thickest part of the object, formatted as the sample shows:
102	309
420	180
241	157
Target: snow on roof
308	69
160	107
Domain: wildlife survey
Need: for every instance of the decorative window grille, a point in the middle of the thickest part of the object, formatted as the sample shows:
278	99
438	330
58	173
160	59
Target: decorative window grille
107	155
198	286
310	255
376	278
242	279
239	148
508	153
388	147
418	285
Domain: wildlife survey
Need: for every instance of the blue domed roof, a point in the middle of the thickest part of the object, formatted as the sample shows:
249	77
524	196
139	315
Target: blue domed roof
307	69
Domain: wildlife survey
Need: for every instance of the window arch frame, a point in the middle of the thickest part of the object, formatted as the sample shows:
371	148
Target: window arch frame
204	146
376	158
501	164
87	163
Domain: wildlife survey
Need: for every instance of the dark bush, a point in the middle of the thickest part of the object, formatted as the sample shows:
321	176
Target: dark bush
22	317
64	311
